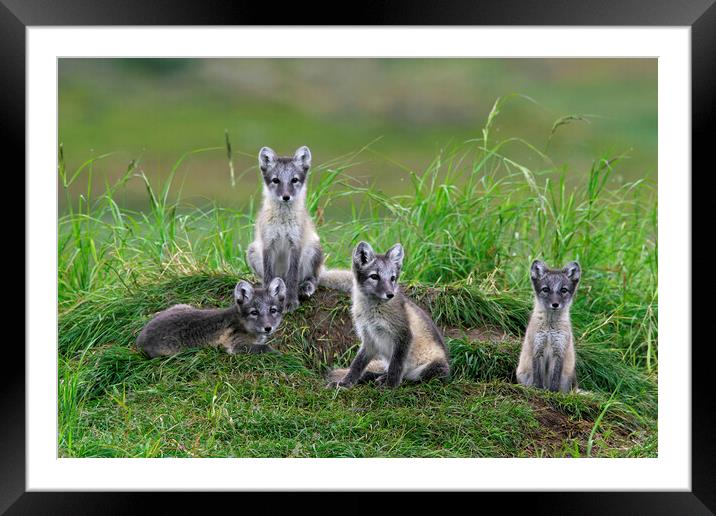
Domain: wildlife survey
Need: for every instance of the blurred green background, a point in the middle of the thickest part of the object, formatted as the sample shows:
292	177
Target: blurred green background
406	109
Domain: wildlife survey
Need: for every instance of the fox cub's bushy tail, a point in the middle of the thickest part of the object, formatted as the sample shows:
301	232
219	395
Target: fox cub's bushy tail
337	279
375	369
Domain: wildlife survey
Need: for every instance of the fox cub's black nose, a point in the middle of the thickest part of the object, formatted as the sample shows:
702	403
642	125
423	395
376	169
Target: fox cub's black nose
390	296
555	305
286	197
267	329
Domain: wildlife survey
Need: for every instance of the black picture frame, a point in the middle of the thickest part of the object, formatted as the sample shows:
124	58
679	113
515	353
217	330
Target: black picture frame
17	15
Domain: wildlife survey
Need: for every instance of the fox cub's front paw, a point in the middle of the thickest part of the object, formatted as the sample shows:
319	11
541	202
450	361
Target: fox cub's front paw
383	381
339	383
306	289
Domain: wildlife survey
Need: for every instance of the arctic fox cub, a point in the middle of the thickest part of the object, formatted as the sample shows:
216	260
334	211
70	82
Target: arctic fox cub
242	328
399	341
286	244
547	360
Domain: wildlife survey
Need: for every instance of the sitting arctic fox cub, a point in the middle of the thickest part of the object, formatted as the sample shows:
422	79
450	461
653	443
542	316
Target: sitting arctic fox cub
242	328
286	244
399	341
547	360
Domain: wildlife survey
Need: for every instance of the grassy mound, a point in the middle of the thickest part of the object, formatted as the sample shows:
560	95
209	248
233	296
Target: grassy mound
203	402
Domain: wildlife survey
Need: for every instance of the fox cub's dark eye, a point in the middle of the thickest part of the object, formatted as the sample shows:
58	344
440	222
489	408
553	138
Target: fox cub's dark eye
565	290
273	310
275	180
374	277
392	278
545	289
294	180
254	312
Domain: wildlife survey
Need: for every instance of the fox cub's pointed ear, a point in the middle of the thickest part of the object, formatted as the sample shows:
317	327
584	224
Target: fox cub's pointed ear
243	292
277	289
538	269
303	157
573	271
363	255
395	254
267	157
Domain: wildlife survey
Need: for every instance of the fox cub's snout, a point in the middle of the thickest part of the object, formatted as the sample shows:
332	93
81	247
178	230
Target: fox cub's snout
261	309
376	276
284	177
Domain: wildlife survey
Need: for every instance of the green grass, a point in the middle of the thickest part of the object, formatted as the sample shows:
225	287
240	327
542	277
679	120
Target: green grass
471	223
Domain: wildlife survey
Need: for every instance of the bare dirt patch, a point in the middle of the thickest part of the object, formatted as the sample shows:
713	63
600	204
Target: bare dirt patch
324	321
485	333
557	428
557	421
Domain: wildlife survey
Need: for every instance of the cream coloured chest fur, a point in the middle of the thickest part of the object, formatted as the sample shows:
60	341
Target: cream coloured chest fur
547	340
282	228
375	326
379	326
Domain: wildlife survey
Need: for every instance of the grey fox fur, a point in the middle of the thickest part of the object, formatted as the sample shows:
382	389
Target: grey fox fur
547	360
286	244
241	328
399	341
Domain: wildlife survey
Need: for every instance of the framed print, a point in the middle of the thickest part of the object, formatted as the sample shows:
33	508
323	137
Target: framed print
435	250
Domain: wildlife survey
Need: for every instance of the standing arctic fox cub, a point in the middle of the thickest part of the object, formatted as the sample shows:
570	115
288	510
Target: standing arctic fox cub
548	358
286	244
398	340
238	329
